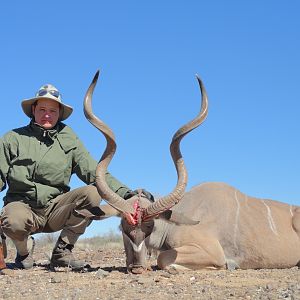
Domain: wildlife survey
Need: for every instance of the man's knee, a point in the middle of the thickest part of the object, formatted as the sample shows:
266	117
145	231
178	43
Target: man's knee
16	222
91	195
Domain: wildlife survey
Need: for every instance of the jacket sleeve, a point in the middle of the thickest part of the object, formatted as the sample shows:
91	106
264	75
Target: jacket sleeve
115	185
84	166
4	164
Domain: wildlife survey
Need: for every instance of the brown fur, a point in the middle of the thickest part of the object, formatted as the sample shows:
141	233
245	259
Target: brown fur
234	231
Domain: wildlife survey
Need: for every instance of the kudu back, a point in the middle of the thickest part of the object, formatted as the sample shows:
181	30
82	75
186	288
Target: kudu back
213	226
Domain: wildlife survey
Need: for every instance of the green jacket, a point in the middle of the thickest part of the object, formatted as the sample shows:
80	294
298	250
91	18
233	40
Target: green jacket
37	164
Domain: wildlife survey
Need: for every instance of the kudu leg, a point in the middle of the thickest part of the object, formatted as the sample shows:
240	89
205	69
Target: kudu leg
296	226
207	255
296	221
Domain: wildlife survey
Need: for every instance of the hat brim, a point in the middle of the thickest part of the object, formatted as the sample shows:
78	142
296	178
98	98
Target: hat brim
27	107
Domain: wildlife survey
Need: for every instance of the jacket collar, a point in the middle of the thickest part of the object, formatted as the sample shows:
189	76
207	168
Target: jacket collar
60	132
39	131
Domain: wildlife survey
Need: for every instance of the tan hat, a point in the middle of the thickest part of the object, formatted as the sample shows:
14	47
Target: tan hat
47	91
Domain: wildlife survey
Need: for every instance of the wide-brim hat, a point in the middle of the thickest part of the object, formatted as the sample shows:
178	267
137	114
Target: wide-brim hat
47	91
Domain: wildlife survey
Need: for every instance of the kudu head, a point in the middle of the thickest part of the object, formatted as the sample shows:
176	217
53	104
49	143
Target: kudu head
138	213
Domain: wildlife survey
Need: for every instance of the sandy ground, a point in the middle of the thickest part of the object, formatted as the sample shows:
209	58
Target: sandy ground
105	277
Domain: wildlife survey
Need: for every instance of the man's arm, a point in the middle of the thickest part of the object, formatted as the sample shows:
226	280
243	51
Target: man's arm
85	169
116	186
4	165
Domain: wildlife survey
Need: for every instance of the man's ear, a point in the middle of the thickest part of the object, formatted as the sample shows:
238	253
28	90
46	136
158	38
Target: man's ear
33	109
61	112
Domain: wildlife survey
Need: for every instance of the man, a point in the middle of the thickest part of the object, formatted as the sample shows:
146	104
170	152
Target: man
36	162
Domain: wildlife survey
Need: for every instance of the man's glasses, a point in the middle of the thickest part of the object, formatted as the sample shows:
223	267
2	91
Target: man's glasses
43	92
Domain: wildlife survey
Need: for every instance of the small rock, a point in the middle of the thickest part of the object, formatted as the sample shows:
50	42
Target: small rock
42	262
269	287
8	272
54	280
101	274
166	275
172	271
144	281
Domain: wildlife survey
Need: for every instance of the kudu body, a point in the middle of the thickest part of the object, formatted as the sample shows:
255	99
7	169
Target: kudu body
212	226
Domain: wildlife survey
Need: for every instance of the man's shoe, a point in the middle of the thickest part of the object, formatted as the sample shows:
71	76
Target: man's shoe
62	256
24	261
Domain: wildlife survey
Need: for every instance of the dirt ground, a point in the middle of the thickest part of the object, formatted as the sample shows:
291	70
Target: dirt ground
105	277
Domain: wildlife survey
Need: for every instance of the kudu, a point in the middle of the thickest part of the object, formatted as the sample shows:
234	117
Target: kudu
213	226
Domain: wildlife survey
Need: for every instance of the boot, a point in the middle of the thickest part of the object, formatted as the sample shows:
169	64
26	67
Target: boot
62	256
24	260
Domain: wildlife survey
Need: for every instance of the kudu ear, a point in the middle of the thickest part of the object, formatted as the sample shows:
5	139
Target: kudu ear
177	218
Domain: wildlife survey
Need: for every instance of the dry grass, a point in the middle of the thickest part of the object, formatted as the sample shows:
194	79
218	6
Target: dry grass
46	241
109	240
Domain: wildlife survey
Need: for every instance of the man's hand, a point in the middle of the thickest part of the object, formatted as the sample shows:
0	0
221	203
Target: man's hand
145	193
129	194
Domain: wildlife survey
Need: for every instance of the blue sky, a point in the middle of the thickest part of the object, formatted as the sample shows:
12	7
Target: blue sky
246	52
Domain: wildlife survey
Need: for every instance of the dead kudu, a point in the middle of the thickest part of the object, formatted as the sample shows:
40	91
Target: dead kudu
213	226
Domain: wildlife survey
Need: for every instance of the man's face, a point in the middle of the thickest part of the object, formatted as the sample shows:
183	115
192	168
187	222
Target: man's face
46	113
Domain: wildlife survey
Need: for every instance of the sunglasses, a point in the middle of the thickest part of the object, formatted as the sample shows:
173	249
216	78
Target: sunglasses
43	92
